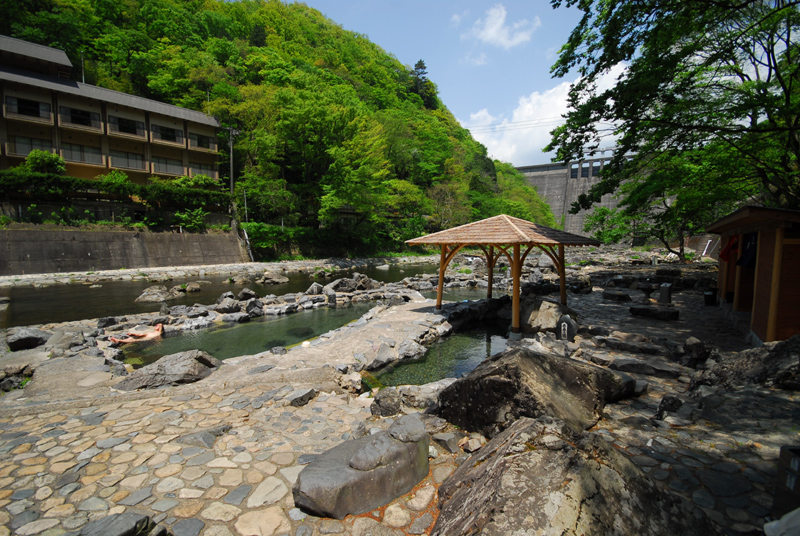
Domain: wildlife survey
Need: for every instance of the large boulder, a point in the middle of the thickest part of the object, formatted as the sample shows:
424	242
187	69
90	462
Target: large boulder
775	364
363	474
543	315
270	278
183	367
522	383
155	294
542	477
26	338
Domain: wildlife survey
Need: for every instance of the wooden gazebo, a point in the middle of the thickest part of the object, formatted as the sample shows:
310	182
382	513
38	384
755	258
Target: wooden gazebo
504	235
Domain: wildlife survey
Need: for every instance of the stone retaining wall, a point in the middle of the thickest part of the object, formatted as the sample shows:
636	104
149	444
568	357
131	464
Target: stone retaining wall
35	252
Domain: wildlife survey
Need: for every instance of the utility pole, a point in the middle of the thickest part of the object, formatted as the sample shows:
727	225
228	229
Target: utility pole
232	132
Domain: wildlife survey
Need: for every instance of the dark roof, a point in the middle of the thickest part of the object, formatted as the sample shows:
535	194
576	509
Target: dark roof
753	218
32	50
107	95
504	230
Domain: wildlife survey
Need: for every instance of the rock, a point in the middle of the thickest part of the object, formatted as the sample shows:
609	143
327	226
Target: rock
205	438
520	382
300	397
270	278
387	402
228	305
183	367
236	318
563	482
696	353
657	313
26	338
246	294
363	474
224	296
350	381
424	396
106	321
193	287
410	350
386	354
773	365
125	524
315	289
154	294
566	329
254	308
543	315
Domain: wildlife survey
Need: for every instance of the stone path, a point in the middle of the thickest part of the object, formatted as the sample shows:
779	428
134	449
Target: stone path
61	469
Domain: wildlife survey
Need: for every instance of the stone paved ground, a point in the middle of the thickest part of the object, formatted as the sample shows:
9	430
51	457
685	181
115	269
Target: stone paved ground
65	462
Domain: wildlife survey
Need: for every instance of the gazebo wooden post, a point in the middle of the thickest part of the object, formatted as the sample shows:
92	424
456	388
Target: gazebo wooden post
562	274
440	286
515	275
490	265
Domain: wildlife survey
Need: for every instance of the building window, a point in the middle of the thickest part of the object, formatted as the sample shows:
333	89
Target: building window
595	168
573	171
122	159
172	135
585	169
126	126
81	153
79	117
202	142
170	166
203	169
27	107
23	146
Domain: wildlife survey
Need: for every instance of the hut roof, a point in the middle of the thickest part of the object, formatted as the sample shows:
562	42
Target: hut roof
505	230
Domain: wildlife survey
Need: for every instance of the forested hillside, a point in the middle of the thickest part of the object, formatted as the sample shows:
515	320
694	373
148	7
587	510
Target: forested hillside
330	130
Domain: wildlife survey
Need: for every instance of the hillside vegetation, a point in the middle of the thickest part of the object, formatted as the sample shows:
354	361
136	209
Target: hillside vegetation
333	132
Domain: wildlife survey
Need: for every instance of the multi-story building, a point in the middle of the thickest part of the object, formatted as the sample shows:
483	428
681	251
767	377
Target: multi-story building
95	129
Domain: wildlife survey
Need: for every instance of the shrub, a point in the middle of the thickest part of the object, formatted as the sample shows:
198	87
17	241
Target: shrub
44	162
191	220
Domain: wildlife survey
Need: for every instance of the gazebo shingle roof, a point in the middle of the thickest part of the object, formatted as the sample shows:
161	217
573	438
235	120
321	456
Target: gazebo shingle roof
505	230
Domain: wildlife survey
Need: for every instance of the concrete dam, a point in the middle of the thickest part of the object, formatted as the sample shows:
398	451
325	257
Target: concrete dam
561	184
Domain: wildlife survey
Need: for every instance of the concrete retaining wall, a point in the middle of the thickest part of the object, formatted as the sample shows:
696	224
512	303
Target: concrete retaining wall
34	252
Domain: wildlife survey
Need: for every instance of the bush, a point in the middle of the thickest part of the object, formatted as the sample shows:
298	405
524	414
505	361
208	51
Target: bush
44	162
191	220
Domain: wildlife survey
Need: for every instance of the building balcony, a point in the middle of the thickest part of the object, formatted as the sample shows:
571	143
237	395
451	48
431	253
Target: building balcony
194	170
204	144
93	124
126	128
167	168
85	158
167	136
21	150
41	115
121	162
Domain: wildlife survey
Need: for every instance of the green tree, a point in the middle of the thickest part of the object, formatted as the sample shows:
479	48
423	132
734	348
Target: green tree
44	162
681	193
608	225
693	72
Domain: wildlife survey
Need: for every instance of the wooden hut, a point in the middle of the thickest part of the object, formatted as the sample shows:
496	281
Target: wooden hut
505	236
760	250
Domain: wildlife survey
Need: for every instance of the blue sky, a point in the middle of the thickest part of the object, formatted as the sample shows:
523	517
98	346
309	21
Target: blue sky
490	60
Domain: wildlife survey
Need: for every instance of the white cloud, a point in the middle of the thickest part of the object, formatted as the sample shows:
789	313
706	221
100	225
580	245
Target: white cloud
480	59
492	29
520	138
455	20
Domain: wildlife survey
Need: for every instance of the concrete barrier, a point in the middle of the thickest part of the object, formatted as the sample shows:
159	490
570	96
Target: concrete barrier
35	252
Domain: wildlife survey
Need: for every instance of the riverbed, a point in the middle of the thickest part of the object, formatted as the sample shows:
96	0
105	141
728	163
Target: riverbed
31	305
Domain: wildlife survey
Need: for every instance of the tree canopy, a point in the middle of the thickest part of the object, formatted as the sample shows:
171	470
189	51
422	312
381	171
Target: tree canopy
333	131
696	74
